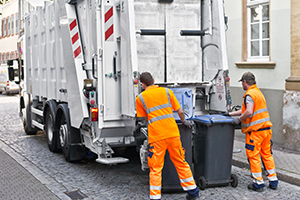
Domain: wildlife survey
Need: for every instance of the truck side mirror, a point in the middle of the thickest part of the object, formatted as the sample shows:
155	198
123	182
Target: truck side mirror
11	73
22	73
20	70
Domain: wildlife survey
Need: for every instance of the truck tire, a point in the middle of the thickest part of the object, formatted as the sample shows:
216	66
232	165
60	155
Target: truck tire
69	137
64	127
27	121
52	135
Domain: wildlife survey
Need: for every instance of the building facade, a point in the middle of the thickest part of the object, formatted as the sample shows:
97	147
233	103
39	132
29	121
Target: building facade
291	98
263	37
9	30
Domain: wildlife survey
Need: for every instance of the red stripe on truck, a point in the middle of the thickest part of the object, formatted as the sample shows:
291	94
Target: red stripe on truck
109	32
75	38
77	51
73	24
108	14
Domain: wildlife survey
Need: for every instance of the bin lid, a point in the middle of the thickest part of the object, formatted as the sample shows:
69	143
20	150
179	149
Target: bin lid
212	119
185	99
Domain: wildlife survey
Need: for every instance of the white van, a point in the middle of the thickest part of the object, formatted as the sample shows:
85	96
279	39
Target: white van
8	85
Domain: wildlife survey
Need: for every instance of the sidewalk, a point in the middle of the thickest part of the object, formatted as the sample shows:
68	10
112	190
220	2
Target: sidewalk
287	163
17	183
20	180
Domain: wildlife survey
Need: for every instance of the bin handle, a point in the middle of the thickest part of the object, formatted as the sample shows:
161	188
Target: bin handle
187	94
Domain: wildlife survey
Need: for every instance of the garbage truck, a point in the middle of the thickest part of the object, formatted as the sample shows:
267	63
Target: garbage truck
82	60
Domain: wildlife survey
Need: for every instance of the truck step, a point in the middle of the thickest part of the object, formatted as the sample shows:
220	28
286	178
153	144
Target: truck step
111	161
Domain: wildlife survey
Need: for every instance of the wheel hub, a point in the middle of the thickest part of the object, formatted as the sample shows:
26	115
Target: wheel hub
62	134
49	128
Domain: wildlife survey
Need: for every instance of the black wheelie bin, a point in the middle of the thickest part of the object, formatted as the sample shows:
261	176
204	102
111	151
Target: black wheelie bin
213	148
170	179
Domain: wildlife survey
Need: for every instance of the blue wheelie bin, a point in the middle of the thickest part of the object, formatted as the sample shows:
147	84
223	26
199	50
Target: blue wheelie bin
213	146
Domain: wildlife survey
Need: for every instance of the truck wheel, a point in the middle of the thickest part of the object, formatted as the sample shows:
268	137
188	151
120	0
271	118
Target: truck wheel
64	134
52	136
69	137
27	122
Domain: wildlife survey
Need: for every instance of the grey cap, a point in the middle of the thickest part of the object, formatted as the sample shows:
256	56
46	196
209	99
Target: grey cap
247	76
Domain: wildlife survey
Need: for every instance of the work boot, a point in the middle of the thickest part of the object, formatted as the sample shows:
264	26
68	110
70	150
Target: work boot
251	186
273	185
189	197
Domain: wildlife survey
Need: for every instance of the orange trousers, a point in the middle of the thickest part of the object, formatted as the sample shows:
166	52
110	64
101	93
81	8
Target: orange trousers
156	156
258	147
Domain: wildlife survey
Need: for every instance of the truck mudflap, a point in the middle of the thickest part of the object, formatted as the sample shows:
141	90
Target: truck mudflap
78	152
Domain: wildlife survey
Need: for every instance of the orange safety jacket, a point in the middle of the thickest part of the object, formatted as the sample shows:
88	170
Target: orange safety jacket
260	118
157	104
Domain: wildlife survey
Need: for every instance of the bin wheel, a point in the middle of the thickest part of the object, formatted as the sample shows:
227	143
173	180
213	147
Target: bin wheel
234	180
202	183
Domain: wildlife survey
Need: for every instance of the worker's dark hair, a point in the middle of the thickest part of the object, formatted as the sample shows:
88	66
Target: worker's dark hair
146	78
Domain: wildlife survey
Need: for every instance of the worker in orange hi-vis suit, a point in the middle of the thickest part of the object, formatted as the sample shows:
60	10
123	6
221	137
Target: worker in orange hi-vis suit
156	104
256	124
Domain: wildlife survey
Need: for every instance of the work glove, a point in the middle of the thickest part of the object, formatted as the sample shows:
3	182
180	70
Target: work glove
236	121
188	123
136	130
226	114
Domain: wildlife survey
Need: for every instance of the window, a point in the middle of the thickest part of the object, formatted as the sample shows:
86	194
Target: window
1	28
17	23
258	30
255	35
5	27
8	26
12	25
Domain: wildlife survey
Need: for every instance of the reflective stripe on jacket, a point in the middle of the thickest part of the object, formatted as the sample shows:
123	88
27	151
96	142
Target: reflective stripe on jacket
260	117
157	104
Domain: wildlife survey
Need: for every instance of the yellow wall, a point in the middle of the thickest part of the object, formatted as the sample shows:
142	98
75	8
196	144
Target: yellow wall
293	82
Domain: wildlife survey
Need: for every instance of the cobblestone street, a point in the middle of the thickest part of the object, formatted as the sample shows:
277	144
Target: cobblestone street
96	181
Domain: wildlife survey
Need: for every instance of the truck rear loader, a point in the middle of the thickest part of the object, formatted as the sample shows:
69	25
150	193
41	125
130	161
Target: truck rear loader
82	60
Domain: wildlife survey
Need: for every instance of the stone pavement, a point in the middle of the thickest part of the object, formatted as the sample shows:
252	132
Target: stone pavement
16	182
287	163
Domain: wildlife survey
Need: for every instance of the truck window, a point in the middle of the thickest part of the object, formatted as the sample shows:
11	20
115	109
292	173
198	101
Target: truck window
11	73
